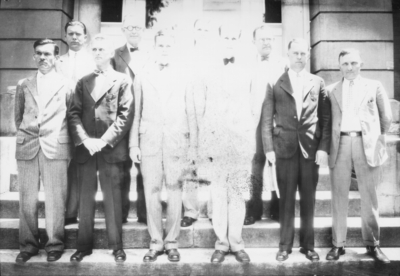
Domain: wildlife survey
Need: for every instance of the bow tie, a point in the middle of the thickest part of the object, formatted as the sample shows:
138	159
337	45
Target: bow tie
162	66
133	49
98	72
227	60
264	58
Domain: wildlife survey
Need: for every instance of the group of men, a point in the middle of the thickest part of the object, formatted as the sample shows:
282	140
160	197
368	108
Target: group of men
80	119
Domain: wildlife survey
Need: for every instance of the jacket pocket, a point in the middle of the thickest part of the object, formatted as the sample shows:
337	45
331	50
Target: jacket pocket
64	140
20	140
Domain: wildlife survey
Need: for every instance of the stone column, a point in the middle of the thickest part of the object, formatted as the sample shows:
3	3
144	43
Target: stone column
89	12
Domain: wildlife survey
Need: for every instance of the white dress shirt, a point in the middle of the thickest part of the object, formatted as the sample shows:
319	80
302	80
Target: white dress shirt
297	82
80	64
351	105
45	84
138	59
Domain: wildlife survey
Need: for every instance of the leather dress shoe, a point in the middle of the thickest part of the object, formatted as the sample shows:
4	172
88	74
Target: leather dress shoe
142	220
377	254
218	256
334	253
24	257
310	254
119	255
242	256
53	256
283	255
69	221
187	221
249	220
173	255
152	255
79	255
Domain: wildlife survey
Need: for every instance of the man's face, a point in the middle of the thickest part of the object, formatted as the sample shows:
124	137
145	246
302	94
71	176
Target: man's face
102	52
75	37
229	39
163	48
263	42
44	58
133	32
201	32
350	65
298	55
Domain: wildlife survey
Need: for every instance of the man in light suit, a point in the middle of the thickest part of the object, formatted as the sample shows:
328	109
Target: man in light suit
73	65
43	151
99	119
361	117
130	60
163	140
298	143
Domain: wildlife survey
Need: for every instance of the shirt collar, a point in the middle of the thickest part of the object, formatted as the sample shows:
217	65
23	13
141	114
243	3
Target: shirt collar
75	53
130	46
347	82
41	75
293	74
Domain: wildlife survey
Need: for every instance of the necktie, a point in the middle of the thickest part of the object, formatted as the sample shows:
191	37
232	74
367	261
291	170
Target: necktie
162	66
133	49
227	60
350	99
264	58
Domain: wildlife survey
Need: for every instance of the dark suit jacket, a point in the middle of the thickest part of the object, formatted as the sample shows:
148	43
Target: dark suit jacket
51	133
122	61
108	118
312	131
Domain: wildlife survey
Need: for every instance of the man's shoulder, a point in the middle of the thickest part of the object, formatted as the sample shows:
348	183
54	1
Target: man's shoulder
332	86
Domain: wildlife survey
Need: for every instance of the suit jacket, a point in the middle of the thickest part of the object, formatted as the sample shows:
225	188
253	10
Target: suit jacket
108	118
312	131
51	133
168	125
122	61
375	116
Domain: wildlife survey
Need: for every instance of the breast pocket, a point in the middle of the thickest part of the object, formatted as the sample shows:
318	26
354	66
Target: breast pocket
112	100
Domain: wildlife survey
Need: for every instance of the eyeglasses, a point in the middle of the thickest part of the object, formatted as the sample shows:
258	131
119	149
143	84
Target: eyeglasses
266	39
131	28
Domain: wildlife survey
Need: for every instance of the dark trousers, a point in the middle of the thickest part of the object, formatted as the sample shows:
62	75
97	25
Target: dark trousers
111	176
72	206
292	173
140	203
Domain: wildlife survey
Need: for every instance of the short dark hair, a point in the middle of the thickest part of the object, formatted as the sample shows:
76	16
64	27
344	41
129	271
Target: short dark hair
45	41
349	51
298	40
164	32
76	23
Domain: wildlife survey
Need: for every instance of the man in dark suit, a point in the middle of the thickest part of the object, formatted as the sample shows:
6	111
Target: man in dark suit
299	143
99	119
130	60
43	151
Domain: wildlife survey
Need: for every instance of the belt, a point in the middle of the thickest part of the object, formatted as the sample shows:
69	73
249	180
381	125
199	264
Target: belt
351	133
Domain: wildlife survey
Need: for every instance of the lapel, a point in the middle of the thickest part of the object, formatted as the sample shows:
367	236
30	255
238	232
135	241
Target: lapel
125	56
58	84
31	84
285	84
308	85
108	83
89	84
364	87
338	94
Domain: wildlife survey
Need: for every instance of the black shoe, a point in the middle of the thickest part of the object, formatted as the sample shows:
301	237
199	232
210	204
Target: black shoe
69	221
242	256
173	255
218	256
310	254
283	255
249	220
142	220
187	221
119	255
377	254
124	220
152	255
335	253
23	257
79	255
53	256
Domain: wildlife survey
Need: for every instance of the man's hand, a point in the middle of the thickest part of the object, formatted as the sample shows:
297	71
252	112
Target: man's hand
321	158
271	157
94	145
135	154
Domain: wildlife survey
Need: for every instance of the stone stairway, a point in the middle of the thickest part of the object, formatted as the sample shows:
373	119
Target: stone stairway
196	243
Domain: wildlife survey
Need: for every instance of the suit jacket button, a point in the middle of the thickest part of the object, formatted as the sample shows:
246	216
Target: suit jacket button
294	117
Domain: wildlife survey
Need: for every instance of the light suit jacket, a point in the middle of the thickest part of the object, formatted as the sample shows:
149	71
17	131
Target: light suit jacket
375	116
312	131
168	125
51	133
109	117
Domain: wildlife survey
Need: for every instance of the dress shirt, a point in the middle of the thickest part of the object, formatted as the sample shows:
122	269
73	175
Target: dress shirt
99	83
80	64
351	105
138	59
297	82
45	84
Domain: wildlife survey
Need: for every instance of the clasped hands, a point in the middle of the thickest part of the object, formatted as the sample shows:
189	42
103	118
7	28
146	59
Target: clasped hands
94	145
321	158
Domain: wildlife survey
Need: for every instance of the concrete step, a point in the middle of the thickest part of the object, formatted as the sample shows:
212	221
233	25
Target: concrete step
9	204
196	261
323	183
263	233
